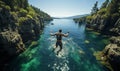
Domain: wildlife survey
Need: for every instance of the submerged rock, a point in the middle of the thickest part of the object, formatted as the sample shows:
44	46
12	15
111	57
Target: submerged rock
87	41
111	54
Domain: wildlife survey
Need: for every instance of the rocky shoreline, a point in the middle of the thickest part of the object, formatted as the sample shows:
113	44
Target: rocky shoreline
19	26
110	56
106	21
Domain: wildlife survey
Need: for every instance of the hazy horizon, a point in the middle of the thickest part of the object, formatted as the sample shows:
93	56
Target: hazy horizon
65	8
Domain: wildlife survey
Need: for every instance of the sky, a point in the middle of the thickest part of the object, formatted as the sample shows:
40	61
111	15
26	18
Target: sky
65	8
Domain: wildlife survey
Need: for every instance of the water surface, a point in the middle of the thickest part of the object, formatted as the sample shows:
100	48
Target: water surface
77	53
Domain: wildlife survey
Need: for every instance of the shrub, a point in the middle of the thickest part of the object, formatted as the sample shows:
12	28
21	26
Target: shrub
29	8
105	16
21	20
13	13
31	13
102	11
29	16
16	8
7	7
22	12
88	19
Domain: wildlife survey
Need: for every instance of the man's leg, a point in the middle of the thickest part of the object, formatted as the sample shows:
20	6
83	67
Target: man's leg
60	48
55	46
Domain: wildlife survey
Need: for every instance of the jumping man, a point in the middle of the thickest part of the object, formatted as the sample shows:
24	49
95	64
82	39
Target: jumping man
59	36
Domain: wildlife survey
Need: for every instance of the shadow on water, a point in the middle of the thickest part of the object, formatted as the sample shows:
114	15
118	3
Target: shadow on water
76	55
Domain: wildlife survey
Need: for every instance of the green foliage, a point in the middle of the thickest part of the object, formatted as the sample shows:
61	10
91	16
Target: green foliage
23	9
7	7
20	9
13	14
102	11
105	16
32	13
2	3
22	12
18	3
41	13
29	16
16	8
88	19
29	8
21	20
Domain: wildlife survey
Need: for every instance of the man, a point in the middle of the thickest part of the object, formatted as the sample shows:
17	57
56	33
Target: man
59	36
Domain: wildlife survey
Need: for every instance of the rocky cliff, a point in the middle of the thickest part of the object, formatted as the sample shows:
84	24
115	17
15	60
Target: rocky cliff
110	56
106	20
19	25
102	25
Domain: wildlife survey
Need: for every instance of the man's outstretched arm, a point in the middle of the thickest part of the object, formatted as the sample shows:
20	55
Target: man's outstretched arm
52	34
66	35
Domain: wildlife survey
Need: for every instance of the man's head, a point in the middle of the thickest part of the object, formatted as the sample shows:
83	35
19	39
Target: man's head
60	30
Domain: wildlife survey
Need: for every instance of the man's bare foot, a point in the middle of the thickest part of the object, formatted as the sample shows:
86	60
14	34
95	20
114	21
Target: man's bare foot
57	52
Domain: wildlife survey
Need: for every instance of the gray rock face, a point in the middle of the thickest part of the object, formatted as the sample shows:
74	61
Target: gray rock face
116	28
10	40
112	52
14	35
11	43
97	23
102	25
30	29
115	40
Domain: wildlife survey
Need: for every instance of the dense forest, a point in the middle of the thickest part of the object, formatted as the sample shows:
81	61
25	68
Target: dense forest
20	25
106	20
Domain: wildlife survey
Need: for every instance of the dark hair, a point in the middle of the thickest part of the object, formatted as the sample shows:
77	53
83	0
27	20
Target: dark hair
60	30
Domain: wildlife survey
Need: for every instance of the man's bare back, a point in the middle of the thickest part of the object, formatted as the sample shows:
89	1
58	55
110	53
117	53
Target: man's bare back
59	36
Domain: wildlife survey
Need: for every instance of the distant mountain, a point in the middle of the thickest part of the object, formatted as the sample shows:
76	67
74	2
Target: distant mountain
76	16
71	17
56	18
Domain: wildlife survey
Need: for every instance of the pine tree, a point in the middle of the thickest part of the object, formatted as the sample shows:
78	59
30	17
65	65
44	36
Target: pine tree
95	8
105	4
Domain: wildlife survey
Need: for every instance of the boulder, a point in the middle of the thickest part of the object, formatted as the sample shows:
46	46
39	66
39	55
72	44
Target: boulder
112	52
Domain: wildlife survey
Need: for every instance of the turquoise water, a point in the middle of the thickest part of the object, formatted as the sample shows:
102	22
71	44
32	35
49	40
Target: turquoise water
76	55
